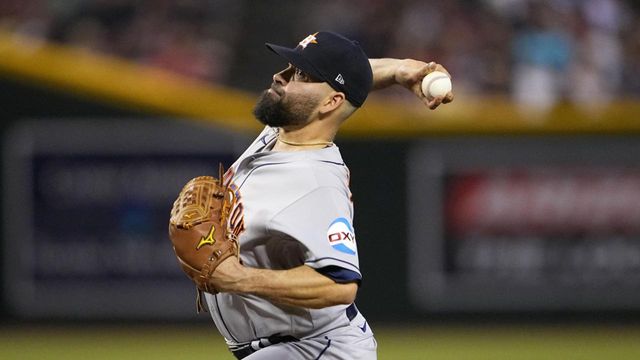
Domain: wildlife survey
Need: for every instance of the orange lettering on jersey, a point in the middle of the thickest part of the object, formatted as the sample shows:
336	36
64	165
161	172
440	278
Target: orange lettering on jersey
235	224
228	175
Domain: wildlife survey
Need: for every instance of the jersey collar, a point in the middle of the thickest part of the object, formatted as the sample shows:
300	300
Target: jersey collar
264	155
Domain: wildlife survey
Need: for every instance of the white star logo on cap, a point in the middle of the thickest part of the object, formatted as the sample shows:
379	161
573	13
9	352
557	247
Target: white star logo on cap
311	39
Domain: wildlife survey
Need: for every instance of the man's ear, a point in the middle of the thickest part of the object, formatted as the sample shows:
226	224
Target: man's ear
331	103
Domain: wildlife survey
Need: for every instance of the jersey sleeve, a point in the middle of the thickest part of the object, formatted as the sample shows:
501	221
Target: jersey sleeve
322	221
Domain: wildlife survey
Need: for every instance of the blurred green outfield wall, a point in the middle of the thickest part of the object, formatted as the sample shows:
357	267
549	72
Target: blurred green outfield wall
379	185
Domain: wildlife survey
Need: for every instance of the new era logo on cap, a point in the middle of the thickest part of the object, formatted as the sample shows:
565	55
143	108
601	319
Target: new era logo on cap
329	55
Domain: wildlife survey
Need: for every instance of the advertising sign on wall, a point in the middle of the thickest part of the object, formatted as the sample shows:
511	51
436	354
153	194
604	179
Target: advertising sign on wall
532	225
86	216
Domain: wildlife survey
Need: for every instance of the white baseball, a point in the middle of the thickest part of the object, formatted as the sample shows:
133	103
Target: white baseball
436	83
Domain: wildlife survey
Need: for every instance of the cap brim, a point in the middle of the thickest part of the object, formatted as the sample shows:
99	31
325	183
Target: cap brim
296	59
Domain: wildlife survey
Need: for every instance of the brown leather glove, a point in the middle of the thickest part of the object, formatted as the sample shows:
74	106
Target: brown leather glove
198	230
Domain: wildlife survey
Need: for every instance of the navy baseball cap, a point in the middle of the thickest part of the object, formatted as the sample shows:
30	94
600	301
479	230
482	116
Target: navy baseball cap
334	59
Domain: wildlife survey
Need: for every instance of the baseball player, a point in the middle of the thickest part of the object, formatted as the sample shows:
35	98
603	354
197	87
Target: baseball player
290	293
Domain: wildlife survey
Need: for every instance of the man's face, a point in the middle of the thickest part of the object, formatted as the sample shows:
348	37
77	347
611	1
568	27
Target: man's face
290	102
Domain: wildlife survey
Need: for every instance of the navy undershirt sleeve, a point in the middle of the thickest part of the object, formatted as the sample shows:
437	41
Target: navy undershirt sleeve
340	275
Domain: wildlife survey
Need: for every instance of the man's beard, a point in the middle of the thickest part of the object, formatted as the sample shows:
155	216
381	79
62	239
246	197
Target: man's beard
276	112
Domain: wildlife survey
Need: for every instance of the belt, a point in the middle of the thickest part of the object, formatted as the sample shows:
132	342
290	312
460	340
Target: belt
245	350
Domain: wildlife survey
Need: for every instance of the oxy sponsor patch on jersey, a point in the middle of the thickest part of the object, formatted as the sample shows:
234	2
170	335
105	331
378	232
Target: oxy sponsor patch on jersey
341	236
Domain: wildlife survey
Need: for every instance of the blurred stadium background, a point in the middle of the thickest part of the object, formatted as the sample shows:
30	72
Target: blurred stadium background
503	226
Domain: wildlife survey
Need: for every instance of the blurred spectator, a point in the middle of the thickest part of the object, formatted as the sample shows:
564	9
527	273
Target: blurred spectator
26	17
631	69
542	50
598	64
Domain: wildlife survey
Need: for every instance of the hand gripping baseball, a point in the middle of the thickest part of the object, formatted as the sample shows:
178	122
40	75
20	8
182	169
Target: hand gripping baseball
198	230
410	75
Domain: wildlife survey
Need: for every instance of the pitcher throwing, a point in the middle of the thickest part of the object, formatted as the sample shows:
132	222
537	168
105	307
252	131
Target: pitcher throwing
286	204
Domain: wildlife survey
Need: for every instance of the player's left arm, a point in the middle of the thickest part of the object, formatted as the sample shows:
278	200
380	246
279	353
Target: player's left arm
409	74
301	286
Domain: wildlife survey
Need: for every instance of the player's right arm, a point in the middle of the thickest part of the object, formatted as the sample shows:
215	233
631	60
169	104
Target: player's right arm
407	73
329	275
301	286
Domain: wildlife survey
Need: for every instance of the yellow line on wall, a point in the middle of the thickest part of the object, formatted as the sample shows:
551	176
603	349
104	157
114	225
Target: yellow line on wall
126	83
116	80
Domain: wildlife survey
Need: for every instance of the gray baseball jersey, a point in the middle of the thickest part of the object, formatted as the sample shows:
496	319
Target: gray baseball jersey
291	209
